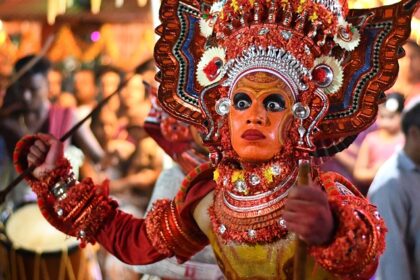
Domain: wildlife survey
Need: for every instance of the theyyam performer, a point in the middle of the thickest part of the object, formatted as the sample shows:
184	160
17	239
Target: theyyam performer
270	84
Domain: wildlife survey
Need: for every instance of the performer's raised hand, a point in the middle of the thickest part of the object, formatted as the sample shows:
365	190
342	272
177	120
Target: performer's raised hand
308	214
44	153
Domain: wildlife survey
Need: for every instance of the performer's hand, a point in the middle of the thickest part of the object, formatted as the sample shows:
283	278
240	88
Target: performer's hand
308	214
44	153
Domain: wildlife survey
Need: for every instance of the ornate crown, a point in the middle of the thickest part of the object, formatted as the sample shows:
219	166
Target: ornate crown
206	45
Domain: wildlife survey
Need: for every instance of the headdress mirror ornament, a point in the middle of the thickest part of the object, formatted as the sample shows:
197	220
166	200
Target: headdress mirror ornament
208	20
210	67
328	74
347	37
223	106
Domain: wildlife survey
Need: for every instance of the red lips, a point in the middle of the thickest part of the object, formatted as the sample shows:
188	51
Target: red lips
252	135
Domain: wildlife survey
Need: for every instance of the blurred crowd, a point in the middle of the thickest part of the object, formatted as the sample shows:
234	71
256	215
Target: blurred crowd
361	161
113	143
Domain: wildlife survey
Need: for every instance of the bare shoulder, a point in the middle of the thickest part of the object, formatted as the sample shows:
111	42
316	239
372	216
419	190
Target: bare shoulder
201	215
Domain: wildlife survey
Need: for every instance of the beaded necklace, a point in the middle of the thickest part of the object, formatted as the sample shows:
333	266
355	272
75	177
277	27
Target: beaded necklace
249	200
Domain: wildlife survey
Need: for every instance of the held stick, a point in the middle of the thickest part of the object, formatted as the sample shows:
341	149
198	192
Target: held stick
63	138
299	261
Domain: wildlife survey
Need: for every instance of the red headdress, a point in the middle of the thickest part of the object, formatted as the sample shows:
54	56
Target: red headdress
338	62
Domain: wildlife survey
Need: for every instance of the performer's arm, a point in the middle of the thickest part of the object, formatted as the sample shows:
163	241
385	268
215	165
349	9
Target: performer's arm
84	210
359	237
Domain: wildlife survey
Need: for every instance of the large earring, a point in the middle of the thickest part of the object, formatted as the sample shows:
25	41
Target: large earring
301	112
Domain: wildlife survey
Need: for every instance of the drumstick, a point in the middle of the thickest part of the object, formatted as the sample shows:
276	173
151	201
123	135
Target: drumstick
299	261
63	138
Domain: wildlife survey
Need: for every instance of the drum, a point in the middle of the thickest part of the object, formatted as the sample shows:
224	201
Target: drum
32	249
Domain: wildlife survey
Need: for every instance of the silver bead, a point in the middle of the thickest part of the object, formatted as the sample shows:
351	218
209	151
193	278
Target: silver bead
223	106
82	234
377	216
276	170
307	50
60	212
222	229
240	186
301	131
252	233
300	111
255	180
282	223
286	34
225	181
263	31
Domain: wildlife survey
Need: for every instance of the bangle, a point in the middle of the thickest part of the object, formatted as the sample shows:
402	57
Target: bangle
59	190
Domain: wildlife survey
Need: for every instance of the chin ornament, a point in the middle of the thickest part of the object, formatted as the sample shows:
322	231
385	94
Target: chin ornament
328	74
210	67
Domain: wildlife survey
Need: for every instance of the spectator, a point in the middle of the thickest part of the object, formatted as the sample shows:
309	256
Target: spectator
55	93
55	79
85	91
395	190
408	81
109	125
344	161
109	80
32	112
379	145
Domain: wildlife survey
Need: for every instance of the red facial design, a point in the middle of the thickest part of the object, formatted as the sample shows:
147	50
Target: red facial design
260	116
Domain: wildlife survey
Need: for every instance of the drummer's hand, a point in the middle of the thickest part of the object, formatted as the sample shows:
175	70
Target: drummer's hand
308	214
44	153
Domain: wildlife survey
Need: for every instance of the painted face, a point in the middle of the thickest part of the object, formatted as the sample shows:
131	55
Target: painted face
260	116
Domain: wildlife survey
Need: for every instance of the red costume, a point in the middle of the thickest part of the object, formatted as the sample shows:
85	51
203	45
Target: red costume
278	66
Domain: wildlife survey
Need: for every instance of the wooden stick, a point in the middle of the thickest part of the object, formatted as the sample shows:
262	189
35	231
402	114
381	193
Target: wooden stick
299	261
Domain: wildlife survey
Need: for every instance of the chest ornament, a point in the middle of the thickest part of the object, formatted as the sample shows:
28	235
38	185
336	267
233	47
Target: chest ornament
248	202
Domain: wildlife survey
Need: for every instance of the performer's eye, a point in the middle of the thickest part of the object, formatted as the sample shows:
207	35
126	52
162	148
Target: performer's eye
274	103
241	101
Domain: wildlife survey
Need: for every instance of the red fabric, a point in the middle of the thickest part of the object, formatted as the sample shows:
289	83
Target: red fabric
86	208
360	234
60	121
126	238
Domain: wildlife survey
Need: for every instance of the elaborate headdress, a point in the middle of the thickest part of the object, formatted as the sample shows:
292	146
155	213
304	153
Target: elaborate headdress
338	62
